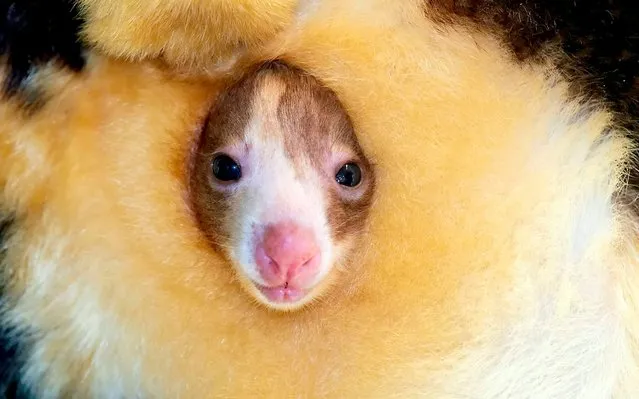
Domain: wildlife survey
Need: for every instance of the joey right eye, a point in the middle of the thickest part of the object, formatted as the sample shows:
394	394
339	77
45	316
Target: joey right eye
225	169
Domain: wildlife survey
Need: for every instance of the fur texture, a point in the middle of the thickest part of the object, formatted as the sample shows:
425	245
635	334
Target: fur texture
500	261
193	36
9	340
596	44
34	33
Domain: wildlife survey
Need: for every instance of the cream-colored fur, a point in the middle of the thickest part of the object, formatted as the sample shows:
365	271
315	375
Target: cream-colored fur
499	263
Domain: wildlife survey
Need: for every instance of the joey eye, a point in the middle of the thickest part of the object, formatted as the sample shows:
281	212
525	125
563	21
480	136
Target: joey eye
349	175
226	169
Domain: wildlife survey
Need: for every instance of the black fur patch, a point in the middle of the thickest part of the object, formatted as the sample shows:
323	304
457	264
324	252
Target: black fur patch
11	342
33	32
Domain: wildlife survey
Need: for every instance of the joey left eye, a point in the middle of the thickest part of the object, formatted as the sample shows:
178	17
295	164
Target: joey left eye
226	169
349	175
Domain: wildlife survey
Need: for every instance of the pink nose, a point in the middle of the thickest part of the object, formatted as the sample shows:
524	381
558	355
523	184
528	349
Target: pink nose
287	254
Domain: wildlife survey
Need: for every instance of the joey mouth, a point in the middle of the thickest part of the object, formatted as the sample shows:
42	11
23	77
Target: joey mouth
283	295
286	297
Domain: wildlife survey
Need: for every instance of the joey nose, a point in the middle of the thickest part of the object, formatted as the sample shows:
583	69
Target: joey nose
287	254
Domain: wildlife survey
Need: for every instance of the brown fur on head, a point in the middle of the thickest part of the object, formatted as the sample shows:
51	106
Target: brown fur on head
289	138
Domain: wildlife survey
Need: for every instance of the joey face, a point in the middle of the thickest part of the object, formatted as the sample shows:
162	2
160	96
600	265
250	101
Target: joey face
281	185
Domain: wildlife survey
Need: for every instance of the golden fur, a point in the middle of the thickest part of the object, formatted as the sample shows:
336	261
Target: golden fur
499	262
186	34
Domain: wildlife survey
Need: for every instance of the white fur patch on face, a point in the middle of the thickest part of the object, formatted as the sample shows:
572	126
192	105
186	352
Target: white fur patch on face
275	191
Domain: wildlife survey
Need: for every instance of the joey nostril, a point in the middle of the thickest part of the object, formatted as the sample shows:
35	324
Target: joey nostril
273	264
